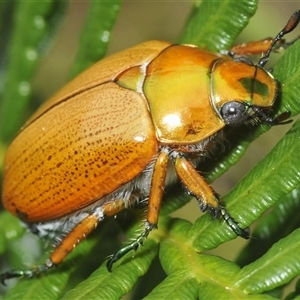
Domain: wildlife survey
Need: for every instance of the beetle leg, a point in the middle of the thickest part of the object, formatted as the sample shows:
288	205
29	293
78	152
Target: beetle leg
79	232
208	199
197	186
26	273
267	45
154	204
252	48
157	190
259	47
68	243
244	233
72	239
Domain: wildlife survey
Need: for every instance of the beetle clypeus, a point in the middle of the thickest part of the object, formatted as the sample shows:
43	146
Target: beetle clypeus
105	140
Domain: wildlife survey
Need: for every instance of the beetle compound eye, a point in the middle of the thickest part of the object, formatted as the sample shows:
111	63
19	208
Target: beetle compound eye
234	113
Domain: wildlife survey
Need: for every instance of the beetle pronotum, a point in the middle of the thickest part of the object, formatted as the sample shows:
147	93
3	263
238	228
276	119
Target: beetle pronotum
105	140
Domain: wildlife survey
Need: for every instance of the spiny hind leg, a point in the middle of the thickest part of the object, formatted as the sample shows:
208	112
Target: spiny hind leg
72	239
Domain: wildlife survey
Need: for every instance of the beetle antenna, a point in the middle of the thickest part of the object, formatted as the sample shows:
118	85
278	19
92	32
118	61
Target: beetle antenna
290	26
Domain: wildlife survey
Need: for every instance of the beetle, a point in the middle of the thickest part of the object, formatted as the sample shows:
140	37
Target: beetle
107	139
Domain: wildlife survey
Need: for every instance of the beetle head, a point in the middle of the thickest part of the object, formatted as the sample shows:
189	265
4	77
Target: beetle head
253	89
242	92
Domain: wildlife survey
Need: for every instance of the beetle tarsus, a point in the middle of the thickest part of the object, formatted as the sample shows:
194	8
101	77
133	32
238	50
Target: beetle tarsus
133	246
234	225
25	273
16	274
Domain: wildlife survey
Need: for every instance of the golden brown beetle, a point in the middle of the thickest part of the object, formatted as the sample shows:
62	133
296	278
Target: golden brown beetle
106	139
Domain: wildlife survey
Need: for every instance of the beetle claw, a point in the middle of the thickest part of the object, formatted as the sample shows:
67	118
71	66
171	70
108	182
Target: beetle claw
11	274
111	259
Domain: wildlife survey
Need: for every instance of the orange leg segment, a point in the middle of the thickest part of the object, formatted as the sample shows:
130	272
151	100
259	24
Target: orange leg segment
261	46
196	185
154	204
205	195
252	48
157	188
84	228
71	240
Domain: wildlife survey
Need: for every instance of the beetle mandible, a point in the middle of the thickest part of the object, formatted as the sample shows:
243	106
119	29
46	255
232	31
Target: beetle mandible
106	139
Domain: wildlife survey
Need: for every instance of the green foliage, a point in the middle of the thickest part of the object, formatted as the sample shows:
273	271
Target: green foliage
24	52
268	262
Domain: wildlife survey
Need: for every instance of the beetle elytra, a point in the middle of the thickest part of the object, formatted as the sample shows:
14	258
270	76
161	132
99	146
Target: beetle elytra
107	139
